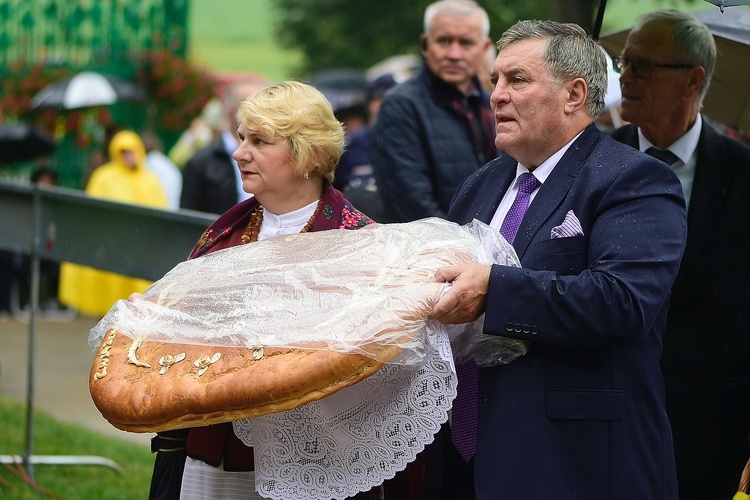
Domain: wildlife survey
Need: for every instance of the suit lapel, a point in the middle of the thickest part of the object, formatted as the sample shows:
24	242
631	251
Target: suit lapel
554	189
708	193
501	173
707	196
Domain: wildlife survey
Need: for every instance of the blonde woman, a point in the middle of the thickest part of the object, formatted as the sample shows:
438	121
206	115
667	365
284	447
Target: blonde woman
290	144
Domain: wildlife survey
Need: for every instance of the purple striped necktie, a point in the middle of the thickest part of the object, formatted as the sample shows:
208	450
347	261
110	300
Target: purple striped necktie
527	183
464	413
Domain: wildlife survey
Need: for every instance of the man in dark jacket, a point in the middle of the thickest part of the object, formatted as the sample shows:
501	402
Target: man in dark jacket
436	129
666	67
211	180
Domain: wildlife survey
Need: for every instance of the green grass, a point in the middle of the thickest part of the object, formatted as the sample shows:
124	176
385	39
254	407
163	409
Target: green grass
84	482
228	36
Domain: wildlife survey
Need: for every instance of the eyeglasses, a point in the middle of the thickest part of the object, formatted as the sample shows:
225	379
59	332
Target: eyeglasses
643	69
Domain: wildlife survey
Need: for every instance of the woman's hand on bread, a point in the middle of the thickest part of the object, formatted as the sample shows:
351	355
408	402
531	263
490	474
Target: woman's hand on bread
465	301
134	296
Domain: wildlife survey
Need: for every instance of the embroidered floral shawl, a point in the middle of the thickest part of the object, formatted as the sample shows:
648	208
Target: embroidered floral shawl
336	213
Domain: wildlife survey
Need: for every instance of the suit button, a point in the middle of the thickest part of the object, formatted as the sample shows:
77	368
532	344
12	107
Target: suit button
534	329
508	326
526	329
517	328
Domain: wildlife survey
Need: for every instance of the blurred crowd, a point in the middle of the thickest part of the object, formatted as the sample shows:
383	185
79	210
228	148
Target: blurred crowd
415	128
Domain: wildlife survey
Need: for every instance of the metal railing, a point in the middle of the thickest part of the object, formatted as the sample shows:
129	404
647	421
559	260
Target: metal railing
61	224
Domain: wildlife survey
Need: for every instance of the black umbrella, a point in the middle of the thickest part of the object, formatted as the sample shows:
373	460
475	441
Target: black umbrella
343	87
86	89
728	3
21	142
339	78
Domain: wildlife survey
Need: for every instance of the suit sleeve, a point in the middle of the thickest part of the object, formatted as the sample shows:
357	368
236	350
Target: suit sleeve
610	286
401	162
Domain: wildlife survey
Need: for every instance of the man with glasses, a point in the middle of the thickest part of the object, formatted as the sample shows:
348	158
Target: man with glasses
666	67
643	69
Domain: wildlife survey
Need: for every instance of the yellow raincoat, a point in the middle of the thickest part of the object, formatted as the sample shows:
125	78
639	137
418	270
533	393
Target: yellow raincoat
90	291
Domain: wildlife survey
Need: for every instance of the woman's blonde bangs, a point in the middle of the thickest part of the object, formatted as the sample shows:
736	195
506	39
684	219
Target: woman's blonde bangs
302	115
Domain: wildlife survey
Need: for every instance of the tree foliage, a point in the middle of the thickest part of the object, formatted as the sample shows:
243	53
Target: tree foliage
342	33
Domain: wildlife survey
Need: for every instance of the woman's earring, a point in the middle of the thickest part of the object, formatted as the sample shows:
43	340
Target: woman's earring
306	174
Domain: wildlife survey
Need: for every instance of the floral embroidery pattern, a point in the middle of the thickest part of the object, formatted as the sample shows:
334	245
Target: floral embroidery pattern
351	218
207	239
327	211
348	218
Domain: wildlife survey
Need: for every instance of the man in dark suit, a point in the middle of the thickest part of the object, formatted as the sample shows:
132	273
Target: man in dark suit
211	180
581	415
707	340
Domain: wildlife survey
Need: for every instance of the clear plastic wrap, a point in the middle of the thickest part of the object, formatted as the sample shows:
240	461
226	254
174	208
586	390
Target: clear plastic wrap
340	290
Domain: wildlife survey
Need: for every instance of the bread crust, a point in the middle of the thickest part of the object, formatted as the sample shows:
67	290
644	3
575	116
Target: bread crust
240	383
237	385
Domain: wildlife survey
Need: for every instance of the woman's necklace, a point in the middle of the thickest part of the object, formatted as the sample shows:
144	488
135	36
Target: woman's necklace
256	221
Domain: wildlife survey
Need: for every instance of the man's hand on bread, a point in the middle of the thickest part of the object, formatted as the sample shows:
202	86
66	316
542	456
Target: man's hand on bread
466	299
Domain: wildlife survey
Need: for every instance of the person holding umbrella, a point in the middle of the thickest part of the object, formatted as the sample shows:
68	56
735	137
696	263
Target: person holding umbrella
666	68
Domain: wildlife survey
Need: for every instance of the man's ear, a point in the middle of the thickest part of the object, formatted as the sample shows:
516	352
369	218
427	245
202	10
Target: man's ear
487	44
577	93
696	76
423	43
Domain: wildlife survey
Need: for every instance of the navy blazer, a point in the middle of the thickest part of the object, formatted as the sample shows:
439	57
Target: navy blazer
581	415
707	339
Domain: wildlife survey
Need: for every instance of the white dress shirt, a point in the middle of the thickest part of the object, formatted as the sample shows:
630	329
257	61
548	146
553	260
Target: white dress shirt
541	173
686	149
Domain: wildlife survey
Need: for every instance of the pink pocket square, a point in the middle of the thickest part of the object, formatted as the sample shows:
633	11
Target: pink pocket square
571	226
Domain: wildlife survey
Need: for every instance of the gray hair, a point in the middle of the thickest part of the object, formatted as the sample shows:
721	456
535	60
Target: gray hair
692	41
456	7
569	53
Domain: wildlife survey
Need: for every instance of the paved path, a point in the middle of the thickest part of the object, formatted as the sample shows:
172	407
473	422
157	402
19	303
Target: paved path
63	361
